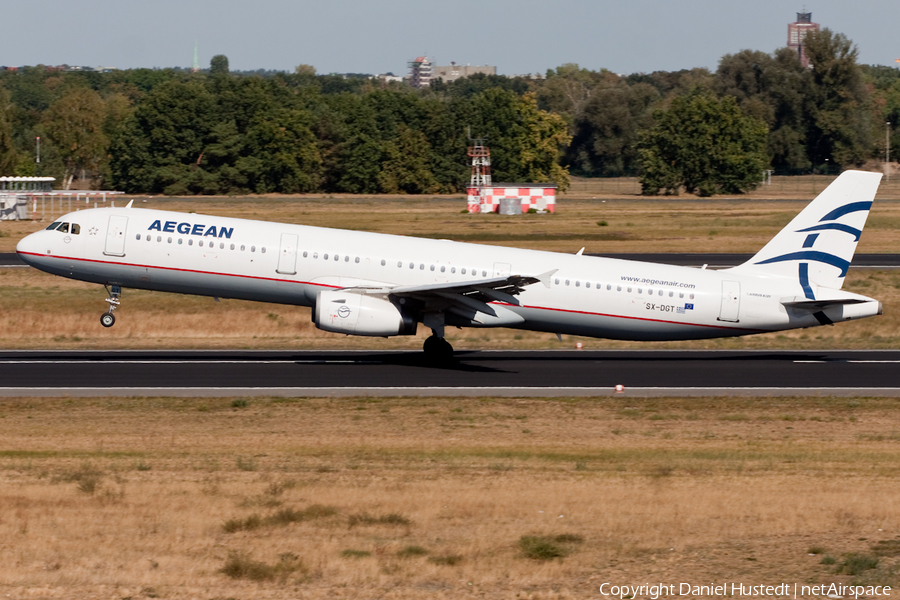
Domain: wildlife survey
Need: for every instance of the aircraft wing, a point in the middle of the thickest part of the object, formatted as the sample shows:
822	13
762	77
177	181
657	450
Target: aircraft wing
468	296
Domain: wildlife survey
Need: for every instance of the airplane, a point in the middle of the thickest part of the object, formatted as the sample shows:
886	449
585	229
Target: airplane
372	284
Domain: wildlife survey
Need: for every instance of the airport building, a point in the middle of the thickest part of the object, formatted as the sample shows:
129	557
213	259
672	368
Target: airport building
420	72
455	71
797	33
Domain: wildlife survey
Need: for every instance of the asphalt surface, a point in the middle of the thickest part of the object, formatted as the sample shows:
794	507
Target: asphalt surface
714	261
483	373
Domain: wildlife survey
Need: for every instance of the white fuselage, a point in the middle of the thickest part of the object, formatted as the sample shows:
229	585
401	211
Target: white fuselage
290	264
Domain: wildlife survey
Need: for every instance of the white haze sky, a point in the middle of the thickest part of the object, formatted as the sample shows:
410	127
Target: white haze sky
370	36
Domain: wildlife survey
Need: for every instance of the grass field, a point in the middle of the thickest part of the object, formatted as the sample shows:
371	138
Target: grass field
436	498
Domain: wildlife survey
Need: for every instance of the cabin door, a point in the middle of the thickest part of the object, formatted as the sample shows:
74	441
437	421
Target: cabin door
287	256
115	236
731	301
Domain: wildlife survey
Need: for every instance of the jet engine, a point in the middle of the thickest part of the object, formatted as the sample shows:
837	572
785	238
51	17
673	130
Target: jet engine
358	314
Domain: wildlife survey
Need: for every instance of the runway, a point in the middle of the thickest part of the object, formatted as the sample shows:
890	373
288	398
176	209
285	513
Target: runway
713	261
477	373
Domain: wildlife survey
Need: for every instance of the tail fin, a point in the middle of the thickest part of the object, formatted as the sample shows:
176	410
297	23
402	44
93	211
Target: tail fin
818	245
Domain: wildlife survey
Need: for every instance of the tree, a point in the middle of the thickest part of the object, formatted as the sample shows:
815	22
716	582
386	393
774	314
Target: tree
218	65
606	130
525	141
703	144
162	143
841	120
74	124
406	165
775	89
7	149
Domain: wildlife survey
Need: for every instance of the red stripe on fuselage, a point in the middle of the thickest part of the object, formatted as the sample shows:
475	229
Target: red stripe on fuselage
564	310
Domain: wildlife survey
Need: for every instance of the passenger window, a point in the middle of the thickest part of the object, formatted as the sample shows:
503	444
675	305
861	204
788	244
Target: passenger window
453	269
691	296
383	262
443	269
671	294
170	241
242	247
432	267
557	281
484	273
190	242
76	228
421	266
347	258
53	226
577	284
180	241
305	253
315	254
649	292
412	265
337	257
138	237
629	290
252	248
356	260
681	294
640	291
567	282
618	288
324	256
200	243
221	245
263	250
608	286
660	292
399	264
587	284
463	272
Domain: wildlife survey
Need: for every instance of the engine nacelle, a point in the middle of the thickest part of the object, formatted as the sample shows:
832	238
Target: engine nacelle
358	314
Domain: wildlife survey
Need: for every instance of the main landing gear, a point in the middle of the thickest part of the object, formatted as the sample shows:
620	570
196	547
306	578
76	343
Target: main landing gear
108	319
436	348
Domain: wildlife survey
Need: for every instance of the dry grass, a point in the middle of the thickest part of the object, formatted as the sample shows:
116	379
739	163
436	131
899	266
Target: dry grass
456	494
43	311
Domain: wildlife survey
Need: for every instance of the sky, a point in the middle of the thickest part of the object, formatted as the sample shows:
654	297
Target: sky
379	36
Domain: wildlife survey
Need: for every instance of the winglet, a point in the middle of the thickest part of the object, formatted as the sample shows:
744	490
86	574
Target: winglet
545	277
130	203
580	252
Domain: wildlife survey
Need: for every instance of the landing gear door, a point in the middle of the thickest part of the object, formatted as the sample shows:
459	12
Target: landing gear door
115	236
287	255
731	301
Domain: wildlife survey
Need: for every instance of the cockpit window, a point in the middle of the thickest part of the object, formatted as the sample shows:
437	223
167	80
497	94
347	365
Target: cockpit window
52	226
64	228
76	228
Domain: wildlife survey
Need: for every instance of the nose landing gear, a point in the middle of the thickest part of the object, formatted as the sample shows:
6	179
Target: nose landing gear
108	319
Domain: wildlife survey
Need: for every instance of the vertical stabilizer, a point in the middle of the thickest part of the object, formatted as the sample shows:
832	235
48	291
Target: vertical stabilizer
818	245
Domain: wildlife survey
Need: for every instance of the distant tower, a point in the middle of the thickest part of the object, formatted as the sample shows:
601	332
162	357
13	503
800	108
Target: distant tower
420	72
797	33
481	164
196	66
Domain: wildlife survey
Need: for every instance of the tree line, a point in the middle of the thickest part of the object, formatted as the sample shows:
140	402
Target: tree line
171	131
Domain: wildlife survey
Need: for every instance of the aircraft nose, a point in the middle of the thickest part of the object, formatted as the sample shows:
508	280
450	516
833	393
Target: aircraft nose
29	246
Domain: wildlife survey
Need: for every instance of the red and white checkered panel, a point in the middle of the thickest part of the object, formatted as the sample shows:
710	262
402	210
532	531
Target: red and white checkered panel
489	200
